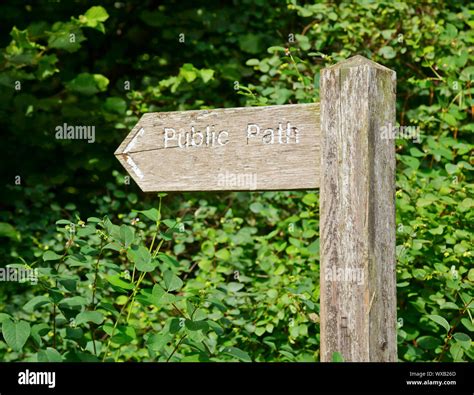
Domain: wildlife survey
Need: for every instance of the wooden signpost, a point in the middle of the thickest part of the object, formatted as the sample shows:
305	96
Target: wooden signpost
278	147
337	146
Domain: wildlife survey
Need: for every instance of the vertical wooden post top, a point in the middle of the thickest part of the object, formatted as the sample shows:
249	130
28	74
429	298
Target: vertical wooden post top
357	61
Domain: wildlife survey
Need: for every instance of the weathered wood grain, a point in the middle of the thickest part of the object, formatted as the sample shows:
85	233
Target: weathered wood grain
357	206
230	160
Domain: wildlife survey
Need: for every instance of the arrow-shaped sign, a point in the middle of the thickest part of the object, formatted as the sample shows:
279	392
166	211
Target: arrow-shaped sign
247	148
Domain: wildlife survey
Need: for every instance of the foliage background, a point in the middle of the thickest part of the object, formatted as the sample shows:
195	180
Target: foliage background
237	274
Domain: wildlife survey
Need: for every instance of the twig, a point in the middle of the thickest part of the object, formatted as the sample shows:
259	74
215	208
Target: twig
309	26
177	345
94	285
54	325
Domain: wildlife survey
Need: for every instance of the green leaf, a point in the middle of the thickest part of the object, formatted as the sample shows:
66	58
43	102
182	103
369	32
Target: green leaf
142	259
124	335
206	74
49	355
170	223
253	62
216	327
250	43
450	168
310	199
470	275
7	230
463	339
115	105
437	231
74	333
127	235
94	15
63	222
47	66
466	322
89	316
196	325
21	39
199	315
276	49
419	274
151	213
51	256
456	352
449	119
337	357
411	162
272	293
428	342
74	303
259	331
188	72
175	325
118	282
168	260
113	246
157	341
234	287
208	248
427	200
36	302
145	297
16	333
172	281
237	353
39	330
223	254
387	52
440	321
69	283
449	305
256	207
65	36
313	248
416	152
161	297
101	82
466	205
88	84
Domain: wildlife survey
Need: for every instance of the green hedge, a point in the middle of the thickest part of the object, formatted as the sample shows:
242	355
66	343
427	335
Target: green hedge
236	276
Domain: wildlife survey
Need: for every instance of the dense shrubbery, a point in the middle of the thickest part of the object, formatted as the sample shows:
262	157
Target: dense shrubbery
217	276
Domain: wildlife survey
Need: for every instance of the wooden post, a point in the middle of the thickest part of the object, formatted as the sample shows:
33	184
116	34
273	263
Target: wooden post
357	205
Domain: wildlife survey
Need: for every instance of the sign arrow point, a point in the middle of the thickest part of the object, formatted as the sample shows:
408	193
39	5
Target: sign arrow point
134	166
133	142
